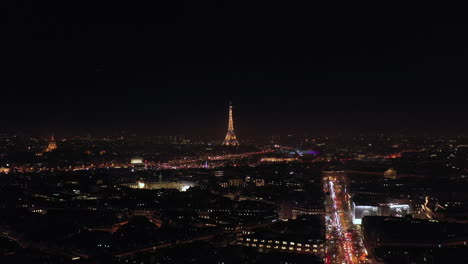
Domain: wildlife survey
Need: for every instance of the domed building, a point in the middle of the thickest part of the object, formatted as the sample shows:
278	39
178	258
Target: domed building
391	174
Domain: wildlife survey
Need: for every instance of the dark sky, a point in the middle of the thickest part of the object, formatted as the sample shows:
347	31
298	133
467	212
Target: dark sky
171	68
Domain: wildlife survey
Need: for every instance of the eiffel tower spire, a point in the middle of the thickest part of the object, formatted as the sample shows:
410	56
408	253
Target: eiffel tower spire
230	139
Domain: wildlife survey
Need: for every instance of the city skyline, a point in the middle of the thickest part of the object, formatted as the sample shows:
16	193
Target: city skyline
319	115
234	132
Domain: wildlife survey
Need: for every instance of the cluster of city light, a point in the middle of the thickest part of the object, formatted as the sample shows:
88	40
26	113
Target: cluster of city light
270	159
202	162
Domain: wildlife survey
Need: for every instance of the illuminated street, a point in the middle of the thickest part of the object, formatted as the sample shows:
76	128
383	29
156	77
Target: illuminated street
344	246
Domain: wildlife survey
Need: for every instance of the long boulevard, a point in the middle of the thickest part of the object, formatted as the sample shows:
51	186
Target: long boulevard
345	244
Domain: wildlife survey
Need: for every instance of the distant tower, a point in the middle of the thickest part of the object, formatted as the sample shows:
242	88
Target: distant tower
52	145
230	139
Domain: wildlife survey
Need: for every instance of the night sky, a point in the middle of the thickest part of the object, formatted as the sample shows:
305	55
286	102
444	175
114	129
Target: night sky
172	68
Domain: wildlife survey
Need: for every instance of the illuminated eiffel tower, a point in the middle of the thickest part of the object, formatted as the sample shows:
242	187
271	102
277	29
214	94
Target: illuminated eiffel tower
230	139
52	145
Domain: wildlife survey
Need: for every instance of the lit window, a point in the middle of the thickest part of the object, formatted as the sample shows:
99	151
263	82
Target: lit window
291	248
292	243
283	247
285	243
247	239
298	249
315	246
